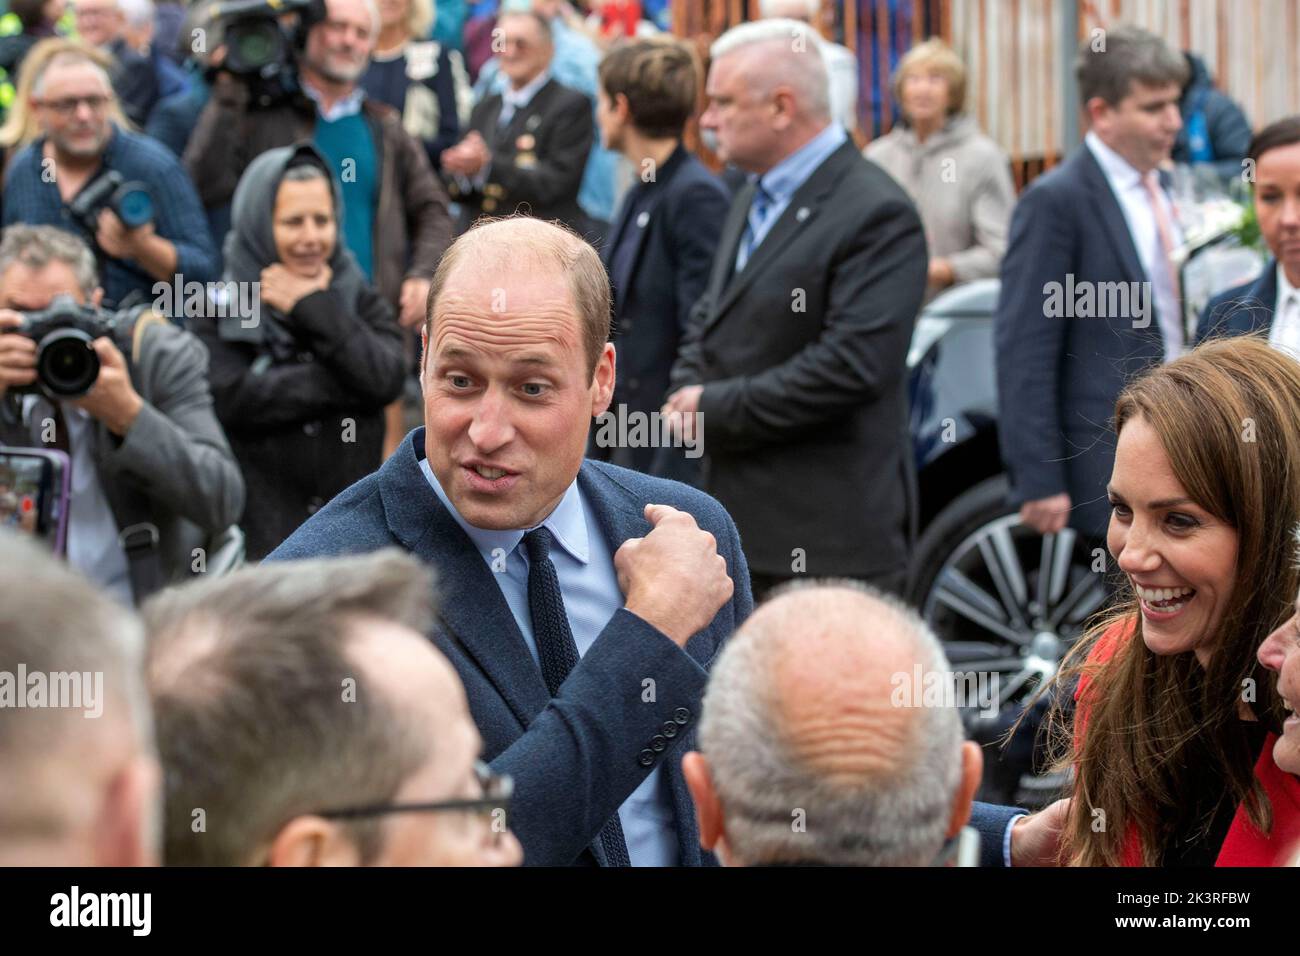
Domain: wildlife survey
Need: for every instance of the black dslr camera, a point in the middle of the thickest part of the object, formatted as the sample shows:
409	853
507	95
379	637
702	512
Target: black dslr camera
66	362
261	44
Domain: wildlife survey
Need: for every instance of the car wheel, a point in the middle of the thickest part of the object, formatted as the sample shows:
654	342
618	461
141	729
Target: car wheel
1007	602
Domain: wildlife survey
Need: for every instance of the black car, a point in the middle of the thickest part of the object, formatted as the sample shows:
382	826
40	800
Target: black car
1004	599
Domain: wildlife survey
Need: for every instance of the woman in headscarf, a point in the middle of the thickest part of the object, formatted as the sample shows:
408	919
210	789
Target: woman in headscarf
302	370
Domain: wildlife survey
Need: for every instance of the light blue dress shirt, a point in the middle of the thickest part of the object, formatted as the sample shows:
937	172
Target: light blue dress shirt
783	180
585	566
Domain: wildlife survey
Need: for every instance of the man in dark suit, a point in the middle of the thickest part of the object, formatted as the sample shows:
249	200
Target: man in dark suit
796	358
1089	295
665	234
581	603
1269	303
528	145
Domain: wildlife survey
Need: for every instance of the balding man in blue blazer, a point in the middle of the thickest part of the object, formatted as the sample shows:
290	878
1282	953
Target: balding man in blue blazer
581	603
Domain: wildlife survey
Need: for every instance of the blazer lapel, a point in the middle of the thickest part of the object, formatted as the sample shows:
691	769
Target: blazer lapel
803	208
621	516
1112	216
1262	299
471	608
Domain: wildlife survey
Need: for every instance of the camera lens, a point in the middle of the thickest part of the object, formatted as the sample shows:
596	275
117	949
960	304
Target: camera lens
133	205
253	45
66	363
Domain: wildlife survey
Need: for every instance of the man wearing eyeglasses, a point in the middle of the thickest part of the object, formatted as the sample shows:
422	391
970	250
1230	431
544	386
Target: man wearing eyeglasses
528	144
82	140
303	719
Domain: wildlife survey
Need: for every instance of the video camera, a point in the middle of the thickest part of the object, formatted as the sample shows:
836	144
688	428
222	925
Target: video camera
66	362
260	45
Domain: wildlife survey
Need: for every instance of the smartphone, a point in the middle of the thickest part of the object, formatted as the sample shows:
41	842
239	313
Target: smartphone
35	488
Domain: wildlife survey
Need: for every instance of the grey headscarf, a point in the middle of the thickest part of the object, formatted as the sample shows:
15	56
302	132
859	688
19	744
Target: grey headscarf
250	245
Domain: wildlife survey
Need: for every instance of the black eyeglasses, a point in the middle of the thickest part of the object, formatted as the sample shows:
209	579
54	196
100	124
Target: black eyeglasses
498	789
68	106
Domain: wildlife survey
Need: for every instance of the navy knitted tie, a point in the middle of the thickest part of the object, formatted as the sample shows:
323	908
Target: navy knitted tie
559	654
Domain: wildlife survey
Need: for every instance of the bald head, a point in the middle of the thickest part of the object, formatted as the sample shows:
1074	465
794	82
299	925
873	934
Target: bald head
806	753
497	248
830	653
780	54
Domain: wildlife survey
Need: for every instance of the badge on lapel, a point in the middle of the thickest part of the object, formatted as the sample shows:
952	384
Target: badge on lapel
525	142
803	213
642	218
532	123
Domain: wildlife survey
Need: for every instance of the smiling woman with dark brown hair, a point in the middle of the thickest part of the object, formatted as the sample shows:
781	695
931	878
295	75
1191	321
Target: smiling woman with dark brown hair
1176	719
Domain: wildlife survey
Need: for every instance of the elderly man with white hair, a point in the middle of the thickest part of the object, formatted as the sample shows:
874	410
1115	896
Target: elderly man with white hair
812	749
841	64
797	351
117	27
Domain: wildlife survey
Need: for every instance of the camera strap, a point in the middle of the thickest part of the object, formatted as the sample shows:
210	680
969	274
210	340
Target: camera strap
138	536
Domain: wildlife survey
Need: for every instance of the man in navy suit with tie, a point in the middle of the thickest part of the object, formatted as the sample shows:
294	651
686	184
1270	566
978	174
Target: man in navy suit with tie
1089	295
581	603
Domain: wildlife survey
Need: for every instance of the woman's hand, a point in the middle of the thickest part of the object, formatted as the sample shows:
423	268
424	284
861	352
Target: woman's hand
282	288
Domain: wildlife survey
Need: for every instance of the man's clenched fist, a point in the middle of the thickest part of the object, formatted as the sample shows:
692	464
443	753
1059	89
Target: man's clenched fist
674	578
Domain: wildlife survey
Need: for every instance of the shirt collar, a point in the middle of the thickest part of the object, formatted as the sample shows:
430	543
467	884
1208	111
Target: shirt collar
350	105
1284	288
1118	170
522	97
782	180
568	523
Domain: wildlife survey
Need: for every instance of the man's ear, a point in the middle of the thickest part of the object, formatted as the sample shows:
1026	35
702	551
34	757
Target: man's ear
1096	110
125	834
622	110
603	381
312	841
972	771
708	810
97	297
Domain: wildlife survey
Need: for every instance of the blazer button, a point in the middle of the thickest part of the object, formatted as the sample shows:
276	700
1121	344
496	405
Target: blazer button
669	729
657	744
681	716
311	429
646	758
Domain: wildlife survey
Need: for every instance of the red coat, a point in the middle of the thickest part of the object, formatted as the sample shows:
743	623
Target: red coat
1245	845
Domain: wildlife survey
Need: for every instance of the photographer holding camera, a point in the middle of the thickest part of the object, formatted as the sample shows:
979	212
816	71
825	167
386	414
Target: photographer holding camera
86	173
153	477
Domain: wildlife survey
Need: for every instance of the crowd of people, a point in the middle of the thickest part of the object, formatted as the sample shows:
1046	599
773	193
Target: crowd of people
498	637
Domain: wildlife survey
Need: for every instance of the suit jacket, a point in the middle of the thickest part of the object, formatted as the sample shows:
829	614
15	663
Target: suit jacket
1058	375
1243	309
803	357
174	463
673	237
577	757
990	821
537	158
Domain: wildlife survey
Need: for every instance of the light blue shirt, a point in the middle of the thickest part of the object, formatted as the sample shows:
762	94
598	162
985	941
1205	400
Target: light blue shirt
585	566
783	180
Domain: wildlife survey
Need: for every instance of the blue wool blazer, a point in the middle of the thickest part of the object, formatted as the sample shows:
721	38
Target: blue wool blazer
577	757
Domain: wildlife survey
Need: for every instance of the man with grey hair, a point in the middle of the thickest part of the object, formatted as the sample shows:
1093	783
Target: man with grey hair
153	481
841	64
796	353
810	755
80	781
373	759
